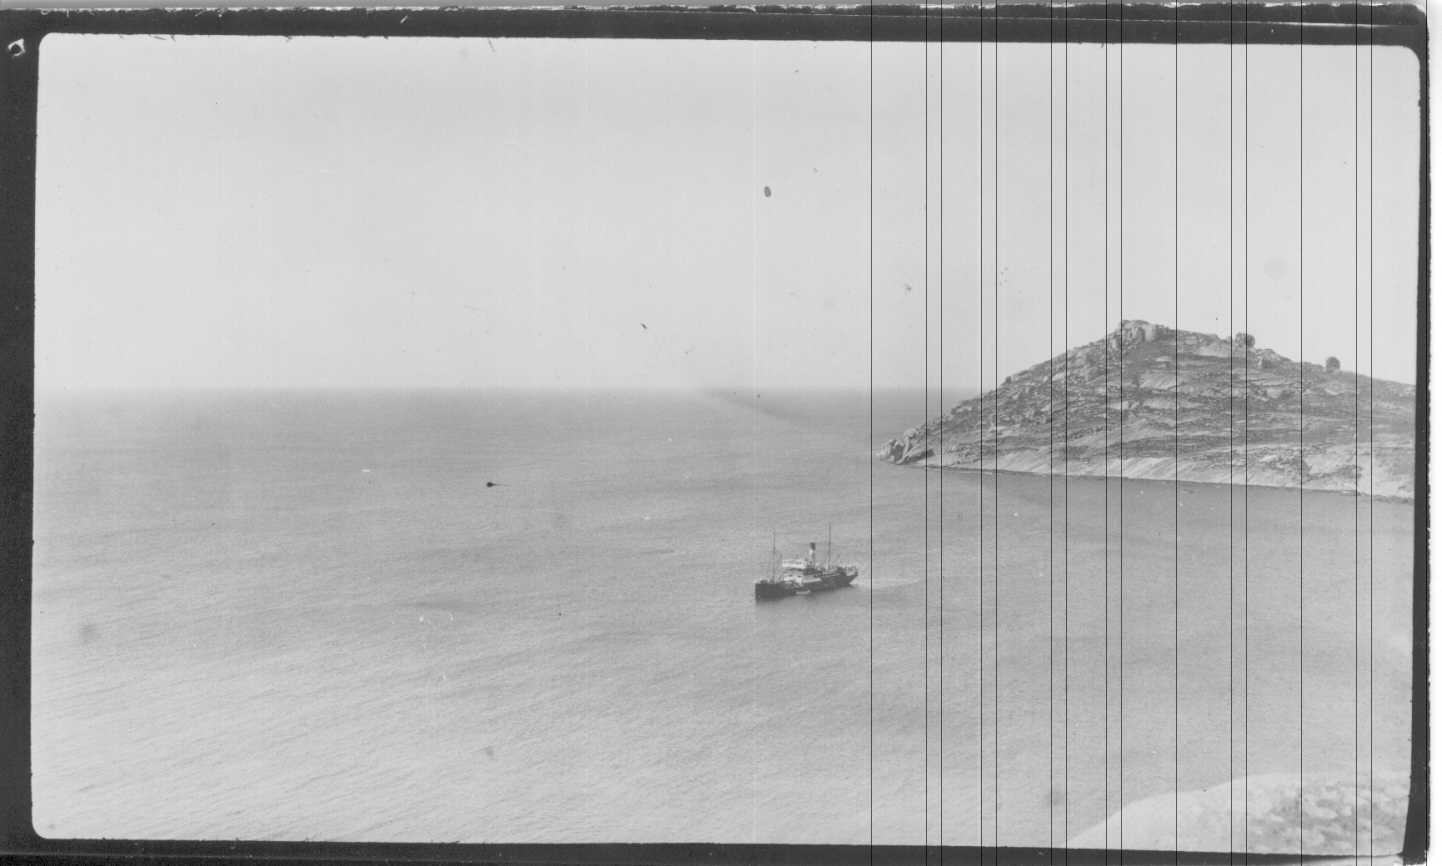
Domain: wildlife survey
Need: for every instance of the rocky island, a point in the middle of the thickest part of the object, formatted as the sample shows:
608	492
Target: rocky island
1114	406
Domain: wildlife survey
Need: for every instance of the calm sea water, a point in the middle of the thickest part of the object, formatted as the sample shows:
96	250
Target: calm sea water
307	616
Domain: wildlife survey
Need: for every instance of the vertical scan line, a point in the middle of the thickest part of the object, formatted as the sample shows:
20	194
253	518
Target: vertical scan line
1066	440
1246	433
941	434
1231	431
981	433
996	422
1371	420
1121	431
871	408
1356	432
1176	432
1301	426
1066	430
1106	440
926	432
1051	425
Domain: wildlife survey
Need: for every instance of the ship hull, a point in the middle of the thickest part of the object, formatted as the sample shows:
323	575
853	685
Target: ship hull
767	590
835	578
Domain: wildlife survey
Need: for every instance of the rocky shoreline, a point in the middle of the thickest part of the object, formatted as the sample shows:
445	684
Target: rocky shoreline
1276	814
1149	402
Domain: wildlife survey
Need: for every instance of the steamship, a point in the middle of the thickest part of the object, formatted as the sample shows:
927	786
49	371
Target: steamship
805	575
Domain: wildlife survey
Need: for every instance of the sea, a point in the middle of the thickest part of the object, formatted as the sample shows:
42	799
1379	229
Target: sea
511	617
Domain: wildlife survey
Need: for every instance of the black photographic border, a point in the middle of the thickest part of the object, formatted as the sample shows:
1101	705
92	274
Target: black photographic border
22	32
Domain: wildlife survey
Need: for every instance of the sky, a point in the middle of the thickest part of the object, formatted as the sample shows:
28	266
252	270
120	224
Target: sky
351	212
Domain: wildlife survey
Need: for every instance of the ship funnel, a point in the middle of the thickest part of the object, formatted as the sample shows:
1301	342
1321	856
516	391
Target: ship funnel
811	554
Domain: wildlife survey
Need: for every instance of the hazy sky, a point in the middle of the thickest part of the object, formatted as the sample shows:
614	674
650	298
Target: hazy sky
469	212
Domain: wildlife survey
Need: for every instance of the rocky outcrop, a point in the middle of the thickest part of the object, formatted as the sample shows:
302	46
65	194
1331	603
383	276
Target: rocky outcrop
1151	402
1316	814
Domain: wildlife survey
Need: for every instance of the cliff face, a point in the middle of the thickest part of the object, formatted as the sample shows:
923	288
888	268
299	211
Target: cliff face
1240	409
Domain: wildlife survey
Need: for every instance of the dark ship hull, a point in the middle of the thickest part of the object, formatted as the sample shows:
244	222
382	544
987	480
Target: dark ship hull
823	579
769	589
836	578
805	583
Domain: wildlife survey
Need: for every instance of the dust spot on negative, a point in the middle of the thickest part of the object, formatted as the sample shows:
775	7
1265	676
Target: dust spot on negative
767	191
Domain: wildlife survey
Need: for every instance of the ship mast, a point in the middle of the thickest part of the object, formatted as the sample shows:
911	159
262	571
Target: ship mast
828	545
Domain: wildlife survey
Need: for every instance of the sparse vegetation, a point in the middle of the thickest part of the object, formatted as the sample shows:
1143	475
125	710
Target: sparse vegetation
1033	421
1333	365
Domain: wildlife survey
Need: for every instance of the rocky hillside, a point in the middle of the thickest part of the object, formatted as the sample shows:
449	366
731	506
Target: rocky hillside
1119	396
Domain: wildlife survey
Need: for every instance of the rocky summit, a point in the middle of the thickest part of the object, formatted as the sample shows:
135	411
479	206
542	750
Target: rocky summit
1152	402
